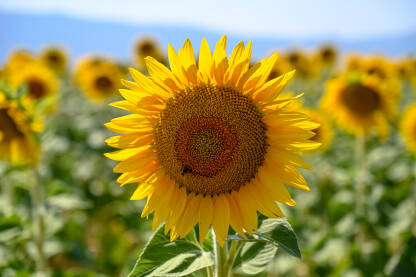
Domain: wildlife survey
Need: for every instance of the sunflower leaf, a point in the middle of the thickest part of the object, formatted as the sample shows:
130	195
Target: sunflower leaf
254	257
161	257
276	231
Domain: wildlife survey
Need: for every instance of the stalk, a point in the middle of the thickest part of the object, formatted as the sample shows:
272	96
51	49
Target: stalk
220	257
38	222
360	172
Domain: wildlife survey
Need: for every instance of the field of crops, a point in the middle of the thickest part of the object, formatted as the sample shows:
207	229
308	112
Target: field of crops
63	213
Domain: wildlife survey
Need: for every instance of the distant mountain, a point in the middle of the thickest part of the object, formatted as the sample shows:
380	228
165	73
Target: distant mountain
82	36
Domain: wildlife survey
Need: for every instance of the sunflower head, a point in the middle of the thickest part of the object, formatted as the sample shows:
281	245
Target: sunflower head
18	144
210	142
16	61
405	69
354	63
359	103
98	78
281	67
144	47
408	127
378	67
55	58
324	133
303	65
41	82
327	55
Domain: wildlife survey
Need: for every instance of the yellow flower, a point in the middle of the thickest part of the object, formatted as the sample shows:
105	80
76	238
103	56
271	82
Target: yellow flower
324	133
408	127
281	67
404	69
55	58
40	80
99	79
326	55
146	47
377	66
17	142
17	60
209	142
304	66
360	103
353	62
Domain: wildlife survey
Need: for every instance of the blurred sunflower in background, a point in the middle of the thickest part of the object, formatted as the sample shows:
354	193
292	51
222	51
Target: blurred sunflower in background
41	82
18	144
353	62
210	143
408	127
16	61
98	78
324	133
55	58
360	103
326	55
144	47
303	64
404	69
281	67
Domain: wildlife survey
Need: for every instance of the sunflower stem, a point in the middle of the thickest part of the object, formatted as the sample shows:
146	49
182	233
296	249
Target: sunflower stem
361	170
220	257
8	195
231	257
38	222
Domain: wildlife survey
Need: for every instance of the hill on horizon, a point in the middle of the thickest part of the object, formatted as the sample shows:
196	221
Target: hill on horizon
83	36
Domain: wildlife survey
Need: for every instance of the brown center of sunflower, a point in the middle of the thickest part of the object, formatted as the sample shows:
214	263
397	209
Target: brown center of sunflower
294	58
377	71
318	136
327	54
210	139
103	83
274	74
361	99
54	58
8	126
145	48
37	88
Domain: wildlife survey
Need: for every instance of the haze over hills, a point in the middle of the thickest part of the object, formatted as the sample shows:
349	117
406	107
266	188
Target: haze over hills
83	36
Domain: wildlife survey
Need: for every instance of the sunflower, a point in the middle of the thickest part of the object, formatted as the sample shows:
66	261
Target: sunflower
147	47
17	60
324	133
326	55
360	103
408	127
41	82
55	58
98	78
17	142
404	69
209	143
281	67
353	62
377	66
303	65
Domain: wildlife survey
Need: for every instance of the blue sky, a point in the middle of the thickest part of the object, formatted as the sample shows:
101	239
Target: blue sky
296	18
110	26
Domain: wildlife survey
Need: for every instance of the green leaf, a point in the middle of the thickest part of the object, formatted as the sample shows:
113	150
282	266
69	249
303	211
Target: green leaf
161	257
276	231
254	257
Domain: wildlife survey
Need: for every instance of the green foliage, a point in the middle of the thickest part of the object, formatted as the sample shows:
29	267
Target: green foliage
278	232
161	257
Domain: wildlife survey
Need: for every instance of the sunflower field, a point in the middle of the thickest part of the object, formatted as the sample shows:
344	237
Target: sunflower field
202	161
